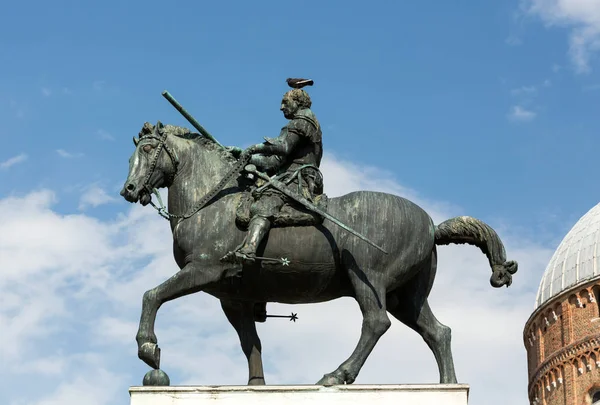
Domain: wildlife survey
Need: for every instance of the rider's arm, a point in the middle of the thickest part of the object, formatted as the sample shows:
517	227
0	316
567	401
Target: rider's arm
281	146
265	163
284	144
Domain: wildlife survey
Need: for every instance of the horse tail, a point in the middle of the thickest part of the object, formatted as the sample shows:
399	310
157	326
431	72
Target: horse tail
472	231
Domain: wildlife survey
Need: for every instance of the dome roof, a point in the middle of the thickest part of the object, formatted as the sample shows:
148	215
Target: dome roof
575	260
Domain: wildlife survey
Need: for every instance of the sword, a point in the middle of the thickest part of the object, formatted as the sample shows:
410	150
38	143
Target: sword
281	187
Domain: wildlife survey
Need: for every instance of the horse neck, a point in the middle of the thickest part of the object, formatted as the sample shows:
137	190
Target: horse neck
200	169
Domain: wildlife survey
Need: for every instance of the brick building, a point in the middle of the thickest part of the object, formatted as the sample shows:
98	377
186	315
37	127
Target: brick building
562	336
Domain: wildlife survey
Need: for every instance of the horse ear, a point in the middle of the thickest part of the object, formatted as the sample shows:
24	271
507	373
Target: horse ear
147	129
159	127
136	141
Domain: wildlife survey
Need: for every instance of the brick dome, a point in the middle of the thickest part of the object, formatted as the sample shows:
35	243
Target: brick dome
562	336
576	259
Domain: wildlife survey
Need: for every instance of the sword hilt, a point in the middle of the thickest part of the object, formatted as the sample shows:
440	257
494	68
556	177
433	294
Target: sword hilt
253	170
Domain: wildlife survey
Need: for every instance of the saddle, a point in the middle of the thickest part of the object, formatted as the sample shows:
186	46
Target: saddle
291	214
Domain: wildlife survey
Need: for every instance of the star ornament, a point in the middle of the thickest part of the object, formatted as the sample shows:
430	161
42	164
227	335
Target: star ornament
285	261
293	317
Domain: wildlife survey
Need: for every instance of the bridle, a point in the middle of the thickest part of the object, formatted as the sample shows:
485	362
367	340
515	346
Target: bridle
162	144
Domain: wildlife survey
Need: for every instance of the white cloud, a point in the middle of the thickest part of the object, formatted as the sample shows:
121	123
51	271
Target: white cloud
99	85
17	108
582	17
46	92
93	197
513	40
525	96
53	365
592	87
68	155
105	135
13	161
523	90
342	176
519	113
95	387
72	286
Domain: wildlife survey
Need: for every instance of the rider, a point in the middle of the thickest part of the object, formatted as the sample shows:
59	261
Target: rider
294	158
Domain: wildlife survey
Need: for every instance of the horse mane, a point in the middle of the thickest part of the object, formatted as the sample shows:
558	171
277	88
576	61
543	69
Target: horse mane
185	133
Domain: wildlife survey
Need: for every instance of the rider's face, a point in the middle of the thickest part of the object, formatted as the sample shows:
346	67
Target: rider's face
288	107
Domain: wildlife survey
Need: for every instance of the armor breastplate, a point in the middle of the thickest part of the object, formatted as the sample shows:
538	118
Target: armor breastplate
310	149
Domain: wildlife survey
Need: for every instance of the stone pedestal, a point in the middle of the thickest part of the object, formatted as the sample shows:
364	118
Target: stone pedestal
434	394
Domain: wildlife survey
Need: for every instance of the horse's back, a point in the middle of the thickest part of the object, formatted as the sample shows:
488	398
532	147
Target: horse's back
392	222
396	224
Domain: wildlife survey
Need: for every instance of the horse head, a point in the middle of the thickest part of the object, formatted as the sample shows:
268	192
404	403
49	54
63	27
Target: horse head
149	167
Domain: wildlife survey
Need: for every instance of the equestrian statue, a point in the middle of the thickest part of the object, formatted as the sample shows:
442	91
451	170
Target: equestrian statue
254	226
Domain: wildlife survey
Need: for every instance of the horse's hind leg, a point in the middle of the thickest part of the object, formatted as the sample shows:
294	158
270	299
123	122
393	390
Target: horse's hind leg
410	306
188	280
371	298
241	317
436	335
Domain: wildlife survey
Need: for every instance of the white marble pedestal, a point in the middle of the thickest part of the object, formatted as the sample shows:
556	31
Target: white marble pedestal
434	394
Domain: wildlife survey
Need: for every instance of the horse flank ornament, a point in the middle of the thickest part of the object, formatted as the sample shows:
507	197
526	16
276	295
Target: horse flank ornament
303	263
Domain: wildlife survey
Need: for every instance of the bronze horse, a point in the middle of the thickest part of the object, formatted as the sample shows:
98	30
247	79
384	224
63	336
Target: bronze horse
325	262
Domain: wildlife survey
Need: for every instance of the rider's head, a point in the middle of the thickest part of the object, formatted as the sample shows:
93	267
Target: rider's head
294	100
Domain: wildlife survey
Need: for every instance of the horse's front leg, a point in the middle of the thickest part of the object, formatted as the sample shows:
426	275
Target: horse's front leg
241	316
188	280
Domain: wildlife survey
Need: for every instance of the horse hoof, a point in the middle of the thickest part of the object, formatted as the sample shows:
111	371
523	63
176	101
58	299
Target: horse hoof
156	378
256	381
330	379
149	353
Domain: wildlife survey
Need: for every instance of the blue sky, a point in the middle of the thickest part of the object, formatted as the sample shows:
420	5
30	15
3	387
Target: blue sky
489	109
409	88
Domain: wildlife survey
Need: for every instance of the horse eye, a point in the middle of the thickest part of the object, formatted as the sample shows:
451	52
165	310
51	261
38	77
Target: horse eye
147	148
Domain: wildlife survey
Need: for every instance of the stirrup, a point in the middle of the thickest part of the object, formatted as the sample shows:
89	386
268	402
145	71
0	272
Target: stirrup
238	257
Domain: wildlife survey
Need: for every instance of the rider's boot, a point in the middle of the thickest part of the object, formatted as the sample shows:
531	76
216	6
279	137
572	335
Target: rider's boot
257	229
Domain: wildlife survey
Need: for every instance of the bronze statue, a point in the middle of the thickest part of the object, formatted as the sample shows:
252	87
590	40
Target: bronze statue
293	158
376	247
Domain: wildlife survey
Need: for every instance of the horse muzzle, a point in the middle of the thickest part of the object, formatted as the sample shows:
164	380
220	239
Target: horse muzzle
134	194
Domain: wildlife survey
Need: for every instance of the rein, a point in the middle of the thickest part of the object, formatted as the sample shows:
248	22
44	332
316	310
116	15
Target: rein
162	210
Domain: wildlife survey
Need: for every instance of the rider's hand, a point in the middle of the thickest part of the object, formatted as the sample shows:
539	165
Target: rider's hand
234	150
253	149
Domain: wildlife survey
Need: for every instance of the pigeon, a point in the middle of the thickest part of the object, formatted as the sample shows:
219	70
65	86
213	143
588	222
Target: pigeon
299	83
